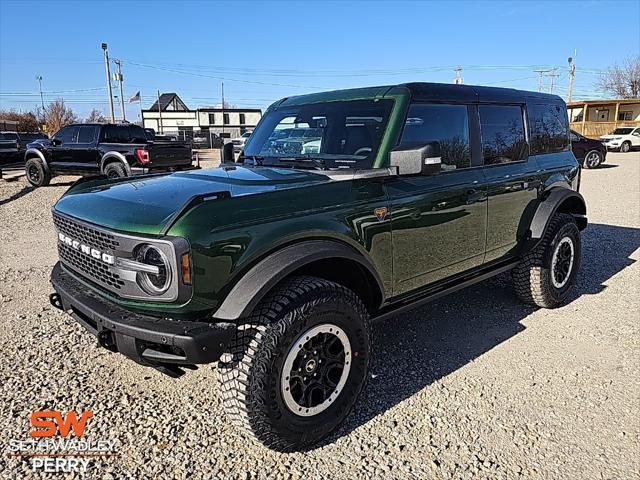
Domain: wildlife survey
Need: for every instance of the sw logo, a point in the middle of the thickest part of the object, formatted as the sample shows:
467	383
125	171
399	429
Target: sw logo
48	423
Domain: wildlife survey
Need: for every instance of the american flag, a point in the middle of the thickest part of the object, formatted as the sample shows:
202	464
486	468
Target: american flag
135	98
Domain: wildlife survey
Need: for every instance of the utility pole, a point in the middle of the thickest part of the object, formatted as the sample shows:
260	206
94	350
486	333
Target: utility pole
553	75
223	109
39	78
160	114
572	74
458	80
540	78
120	79
108	71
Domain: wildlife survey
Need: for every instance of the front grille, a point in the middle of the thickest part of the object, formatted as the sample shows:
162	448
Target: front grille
84	234
94	269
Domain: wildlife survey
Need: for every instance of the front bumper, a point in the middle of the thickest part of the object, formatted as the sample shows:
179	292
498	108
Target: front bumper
163	343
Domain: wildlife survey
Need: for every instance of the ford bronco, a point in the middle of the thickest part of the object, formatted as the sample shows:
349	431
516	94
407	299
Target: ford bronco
343	207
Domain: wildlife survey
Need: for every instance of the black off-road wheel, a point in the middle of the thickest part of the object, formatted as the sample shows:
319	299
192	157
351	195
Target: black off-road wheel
298	364
37	174
547	274
115	170
592	159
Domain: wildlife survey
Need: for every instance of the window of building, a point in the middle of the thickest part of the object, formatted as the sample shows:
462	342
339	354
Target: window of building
548	128
602	115
87	134
502	130
225	119
625	116
212	119
446	124
242	119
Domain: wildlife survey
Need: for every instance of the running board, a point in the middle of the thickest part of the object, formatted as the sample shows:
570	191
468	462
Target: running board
438	292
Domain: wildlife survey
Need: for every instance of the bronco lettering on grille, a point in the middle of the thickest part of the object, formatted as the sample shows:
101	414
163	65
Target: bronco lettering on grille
86	249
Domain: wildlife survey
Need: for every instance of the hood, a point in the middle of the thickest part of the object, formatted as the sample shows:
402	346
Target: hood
612	135
147	204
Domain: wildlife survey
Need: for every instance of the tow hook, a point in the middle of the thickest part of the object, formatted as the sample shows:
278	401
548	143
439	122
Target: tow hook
54	299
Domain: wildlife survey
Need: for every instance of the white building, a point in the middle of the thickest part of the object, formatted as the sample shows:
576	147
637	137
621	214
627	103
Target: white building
173	117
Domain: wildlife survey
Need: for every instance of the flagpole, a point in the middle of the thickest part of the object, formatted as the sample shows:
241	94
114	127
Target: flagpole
141	116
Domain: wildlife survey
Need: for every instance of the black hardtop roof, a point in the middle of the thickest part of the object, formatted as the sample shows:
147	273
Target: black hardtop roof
422	91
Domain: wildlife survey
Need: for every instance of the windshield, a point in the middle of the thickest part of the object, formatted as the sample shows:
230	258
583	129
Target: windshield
622	131
340	134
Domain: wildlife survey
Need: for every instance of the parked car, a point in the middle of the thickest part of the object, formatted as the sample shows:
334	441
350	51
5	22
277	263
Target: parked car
623	139
590	153
14	144
275	265
115	150
239	142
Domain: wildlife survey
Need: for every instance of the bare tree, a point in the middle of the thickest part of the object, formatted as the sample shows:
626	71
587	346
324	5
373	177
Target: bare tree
95	116
57	115
27	121
622	81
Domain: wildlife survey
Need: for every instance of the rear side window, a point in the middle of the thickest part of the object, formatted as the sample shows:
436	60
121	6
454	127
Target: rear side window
116	134
502	130
446	124
87	134
137	134
548	128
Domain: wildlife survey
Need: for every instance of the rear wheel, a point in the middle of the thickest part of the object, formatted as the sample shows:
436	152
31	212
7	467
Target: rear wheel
625	147
592	159
37	174
115	170
547	274
297	365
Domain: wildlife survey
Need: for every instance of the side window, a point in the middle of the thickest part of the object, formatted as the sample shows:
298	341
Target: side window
87	134
67	134
446	124
116	134
548	128
137	134
502	130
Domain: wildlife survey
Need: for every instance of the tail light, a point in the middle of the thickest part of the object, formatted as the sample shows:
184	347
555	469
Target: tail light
142	156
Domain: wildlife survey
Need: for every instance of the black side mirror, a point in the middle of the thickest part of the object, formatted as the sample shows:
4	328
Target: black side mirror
56	142
417	159
227	153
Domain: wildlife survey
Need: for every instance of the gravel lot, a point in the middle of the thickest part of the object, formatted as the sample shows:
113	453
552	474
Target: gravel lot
475	385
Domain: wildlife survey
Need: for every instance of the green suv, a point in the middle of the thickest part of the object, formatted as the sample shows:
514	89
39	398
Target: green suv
343	208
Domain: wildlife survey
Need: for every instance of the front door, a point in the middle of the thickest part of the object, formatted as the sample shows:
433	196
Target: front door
84	150
61	155
438	222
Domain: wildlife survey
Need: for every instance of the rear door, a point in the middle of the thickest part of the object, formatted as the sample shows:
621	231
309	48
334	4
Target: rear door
511	175
439	222
84	150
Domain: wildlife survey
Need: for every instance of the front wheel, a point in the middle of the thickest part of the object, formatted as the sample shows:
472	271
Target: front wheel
625	147
593	159
298	364
546	274
37	174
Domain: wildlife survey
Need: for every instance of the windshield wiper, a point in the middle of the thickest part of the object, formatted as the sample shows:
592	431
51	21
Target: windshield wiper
257	160
305	161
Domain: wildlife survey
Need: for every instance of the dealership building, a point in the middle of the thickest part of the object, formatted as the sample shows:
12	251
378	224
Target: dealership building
169	115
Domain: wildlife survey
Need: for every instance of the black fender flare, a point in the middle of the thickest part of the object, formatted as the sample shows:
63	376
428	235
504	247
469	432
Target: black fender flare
34	152
267	273
570	201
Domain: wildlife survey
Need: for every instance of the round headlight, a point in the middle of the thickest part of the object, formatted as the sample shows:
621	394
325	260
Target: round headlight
152	283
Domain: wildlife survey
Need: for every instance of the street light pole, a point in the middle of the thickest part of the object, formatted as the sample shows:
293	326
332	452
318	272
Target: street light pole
108	71
39	78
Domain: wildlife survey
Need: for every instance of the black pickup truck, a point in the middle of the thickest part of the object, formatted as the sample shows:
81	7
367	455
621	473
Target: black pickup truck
109	149
14	144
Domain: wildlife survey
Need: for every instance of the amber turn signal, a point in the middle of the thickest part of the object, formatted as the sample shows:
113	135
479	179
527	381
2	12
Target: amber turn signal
185	267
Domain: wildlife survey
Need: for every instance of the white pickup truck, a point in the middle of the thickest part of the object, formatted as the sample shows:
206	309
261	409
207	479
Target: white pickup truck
623	139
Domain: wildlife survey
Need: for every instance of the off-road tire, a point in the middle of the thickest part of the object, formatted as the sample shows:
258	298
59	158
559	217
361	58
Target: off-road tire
625	147
37	174
251	371
115	170
589	159
532	277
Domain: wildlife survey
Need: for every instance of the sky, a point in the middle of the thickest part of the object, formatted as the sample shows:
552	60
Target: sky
264	51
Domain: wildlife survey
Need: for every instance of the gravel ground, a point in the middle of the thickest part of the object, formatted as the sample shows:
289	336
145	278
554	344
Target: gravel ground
475	385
